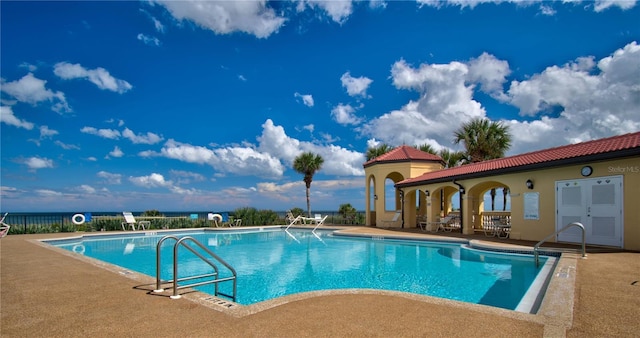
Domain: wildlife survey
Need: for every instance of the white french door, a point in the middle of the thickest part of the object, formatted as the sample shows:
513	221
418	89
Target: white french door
594	202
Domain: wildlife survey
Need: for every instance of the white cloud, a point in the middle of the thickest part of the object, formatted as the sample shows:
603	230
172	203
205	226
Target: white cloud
87	189
338	10
48	193
154	180
445	101
8	191
66	146
275	141
589	103
578	101
344	114
156	23
104	133
306	99
309	127
490	73
99	76
272	187
356	86
116	152
7	117
35	163
30	67
601	5
149	138
187	176
225	17
337	160
238	160
294	192
547	10
247	161
32	90
148	40
110	178
274	153
598	5
186	153
46	132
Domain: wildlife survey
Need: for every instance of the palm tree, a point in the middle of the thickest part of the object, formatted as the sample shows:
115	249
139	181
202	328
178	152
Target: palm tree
483	139
451	158
493	199
427	148
377	151
307	164
505	192
347	211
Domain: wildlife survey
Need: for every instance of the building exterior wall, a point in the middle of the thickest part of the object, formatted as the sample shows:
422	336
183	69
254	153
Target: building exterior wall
376	213
544	181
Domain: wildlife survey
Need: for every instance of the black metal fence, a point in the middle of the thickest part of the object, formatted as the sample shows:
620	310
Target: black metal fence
32	223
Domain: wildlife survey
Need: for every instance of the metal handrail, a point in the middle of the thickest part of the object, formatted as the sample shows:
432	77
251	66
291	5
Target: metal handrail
182	242
579	225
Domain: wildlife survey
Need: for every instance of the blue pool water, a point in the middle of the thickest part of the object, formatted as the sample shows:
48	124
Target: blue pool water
271	263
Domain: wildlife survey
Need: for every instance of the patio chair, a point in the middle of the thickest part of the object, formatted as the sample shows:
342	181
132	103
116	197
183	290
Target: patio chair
443	224
395	218
130	222
501	228
318	220
489	229
4	227
290	218
452	224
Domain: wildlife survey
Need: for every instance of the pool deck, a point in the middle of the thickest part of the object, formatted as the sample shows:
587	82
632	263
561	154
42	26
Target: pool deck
45	292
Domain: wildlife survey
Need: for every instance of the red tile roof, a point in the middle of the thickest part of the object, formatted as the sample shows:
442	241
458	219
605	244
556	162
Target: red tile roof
602	149
404	153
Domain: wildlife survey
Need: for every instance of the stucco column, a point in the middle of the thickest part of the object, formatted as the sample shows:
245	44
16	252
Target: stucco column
467	206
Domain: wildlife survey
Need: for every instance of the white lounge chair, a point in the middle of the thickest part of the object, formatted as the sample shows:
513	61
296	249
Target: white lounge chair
4	227
393	220
292	219
318	220
443	224
233	222
130	222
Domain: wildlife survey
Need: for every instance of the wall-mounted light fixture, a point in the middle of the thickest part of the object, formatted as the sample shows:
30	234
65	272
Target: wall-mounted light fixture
375	197
426	192
529	184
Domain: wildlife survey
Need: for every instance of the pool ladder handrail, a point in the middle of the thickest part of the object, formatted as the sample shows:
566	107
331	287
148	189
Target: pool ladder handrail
182	242
578	224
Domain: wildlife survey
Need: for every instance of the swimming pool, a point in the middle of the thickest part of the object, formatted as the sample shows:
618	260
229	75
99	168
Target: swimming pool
271	263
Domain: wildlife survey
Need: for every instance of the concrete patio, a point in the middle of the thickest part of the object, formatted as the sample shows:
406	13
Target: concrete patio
48	293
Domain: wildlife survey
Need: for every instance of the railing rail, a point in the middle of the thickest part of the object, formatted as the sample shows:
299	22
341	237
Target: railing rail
48	222
215	275
579	225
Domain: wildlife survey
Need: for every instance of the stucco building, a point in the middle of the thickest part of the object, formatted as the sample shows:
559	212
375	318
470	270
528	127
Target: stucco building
595	183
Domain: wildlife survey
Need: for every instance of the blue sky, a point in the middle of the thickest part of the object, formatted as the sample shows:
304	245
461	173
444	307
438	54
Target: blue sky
180	106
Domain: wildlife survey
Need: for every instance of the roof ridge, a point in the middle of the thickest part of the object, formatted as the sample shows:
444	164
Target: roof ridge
626	143
574	144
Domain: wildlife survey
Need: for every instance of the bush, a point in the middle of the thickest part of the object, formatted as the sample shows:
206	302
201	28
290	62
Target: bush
297	211
252	216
